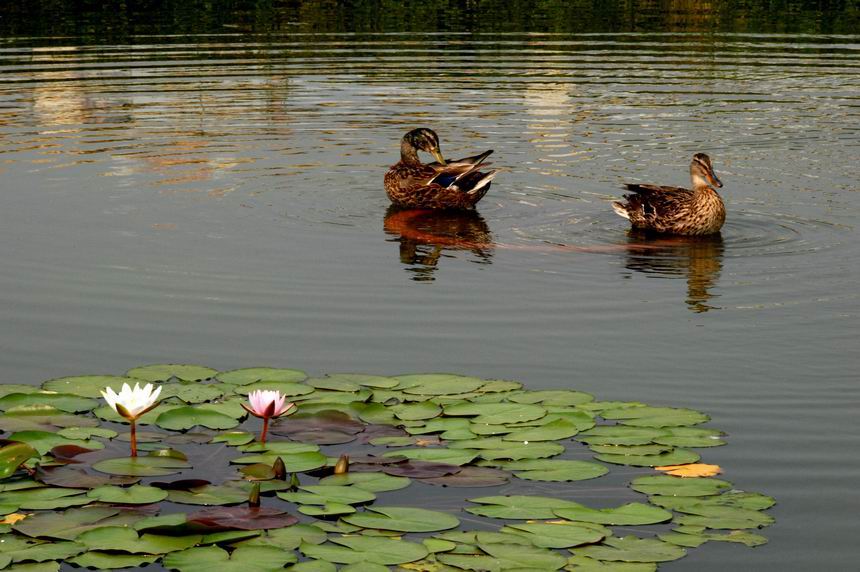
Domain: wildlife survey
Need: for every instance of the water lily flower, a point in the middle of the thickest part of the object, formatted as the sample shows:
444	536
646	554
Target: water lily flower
267	405
131	404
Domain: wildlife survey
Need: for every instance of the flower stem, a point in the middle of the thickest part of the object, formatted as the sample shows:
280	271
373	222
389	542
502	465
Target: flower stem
133	438
264	431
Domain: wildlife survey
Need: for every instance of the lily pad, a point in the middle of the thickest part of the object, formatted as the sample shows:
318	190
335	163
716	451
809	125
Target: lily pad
163	372
521	507
13	456
137	494
554	431
295	462
325	494
183	418
472	477
496	413
676	457
420	469
628	514
111	561
148	466
242	559
87	385
558	397
679	486
122	539
559	534
254	374
209	495
557	470
373	482
241	518
354	549
524	557
44	498
655	416
64	402
403	519
69	524
437	455
632	549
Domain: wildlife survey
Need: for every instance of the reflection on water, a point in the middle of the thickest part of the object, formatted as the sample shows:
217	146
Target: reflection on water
426	236
697	259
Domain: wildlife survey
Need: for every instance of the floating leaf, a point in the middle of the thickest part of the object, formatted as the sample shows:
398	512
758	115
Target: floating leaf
44	441
191	392
557	470
353	549
111	561
676	457
440	455
41	418
289	538
76	477
137	494
556	397
148	466
325	494
70	523
691	470
16	549
527	557
295	462
554	431
559	534
13	456
420	469
628	514
632	549
122	539
471	477
655	416
496	413
586	564
738	499
64	402
183	418
234	438
163	372
438	384
241	518
519	506
690	437
722	517
86	432
254	374
288	388
695	539
242	559
44	498
403	519
373	482
679	487
88	385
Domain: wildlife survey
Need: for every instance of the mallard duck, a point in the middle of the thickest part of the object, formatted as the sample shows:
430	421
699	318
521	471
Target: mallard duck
675	210
439	185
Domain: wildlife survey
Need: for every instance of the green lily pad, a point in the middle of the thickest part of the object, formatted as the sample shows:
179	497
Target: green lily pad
69	524
557	470
254	374
619	435
242	559
494	448
403	519
632	549
738	499
586	564
676	457
679	487
327	509
470	476
436	455
44	498
16	549
289	538
122	539
373	482
417	411
522	507
209	495
148	466
438	384
64	402
496	413
628	514
86	433
557	397
690	437
110	561
559	535
723	517
44	441
326	494
295	462
288	388
88	385
191	392
41	418
354	549
554	431
183	418
681	537
234	438
655	416
524	557
13	456
163	372
137	494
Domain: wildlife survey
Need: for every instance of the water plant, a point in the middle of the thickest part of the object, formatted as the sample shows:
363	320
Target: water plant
432	472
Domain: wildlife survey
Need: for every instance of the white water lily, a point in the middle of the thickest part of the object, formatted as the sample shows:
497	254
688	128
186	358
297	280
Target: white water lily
132	403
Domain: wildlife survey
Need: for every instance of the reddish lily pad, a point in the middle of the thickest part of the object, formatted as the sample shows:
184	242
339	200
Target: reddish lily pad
241	518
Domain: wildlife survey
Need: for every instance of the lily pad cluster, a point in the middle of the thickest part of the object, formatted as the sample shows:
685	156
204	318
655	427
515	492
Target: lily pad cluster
426	472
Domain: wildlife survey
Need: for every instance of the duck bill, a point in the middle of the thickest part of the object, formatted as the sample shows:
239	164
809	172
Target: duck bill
712	178
438	155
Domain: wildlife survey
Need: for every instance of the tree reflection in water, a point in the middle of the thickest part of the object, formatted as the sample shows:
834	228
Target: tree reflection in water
426	235
698	259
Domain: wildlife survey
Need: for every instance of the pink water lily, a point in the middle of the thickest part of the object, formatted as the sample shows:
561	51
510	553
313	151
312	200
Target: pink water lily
267	404
131	404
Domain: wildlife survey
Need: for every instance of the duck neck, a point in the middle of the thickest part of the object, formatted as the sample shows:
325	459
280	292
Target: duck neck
408	153
700	184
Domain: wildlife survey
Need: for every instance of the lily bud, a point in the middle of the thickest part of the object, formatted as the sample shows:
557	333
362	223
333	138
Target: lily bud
342	466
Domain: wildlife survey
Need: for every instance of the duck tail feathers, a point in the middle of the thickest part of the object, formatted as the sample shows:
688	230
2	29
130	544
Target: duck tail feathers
621	209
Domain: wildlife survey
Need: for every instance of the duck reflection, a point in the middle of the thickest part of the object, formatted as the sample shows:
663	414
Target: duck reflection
698	259
426	235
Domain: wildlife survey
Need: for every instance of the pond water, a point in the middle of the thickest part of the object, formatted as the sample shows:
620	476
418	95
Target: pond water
215	196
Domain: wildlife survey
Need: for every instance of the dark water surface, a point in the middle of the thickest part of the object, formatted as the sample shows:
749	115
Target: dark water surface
216	197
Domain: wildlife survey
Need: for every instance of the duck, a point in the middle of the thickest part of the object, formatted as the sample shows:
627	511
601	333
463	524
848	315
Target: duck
675	210
438	185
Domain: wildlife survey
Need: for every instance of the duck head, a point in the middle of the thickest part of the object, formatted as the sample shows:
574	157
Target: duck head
702	172
421	139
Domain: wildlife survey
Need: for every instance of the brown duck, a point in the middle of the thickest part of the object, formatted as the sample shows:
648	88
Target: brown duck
675	210
440	185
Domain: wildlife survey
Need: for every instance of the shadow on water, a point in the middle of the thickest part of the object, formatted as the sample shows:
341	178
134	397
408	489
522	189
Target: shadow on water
697	259
425	236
